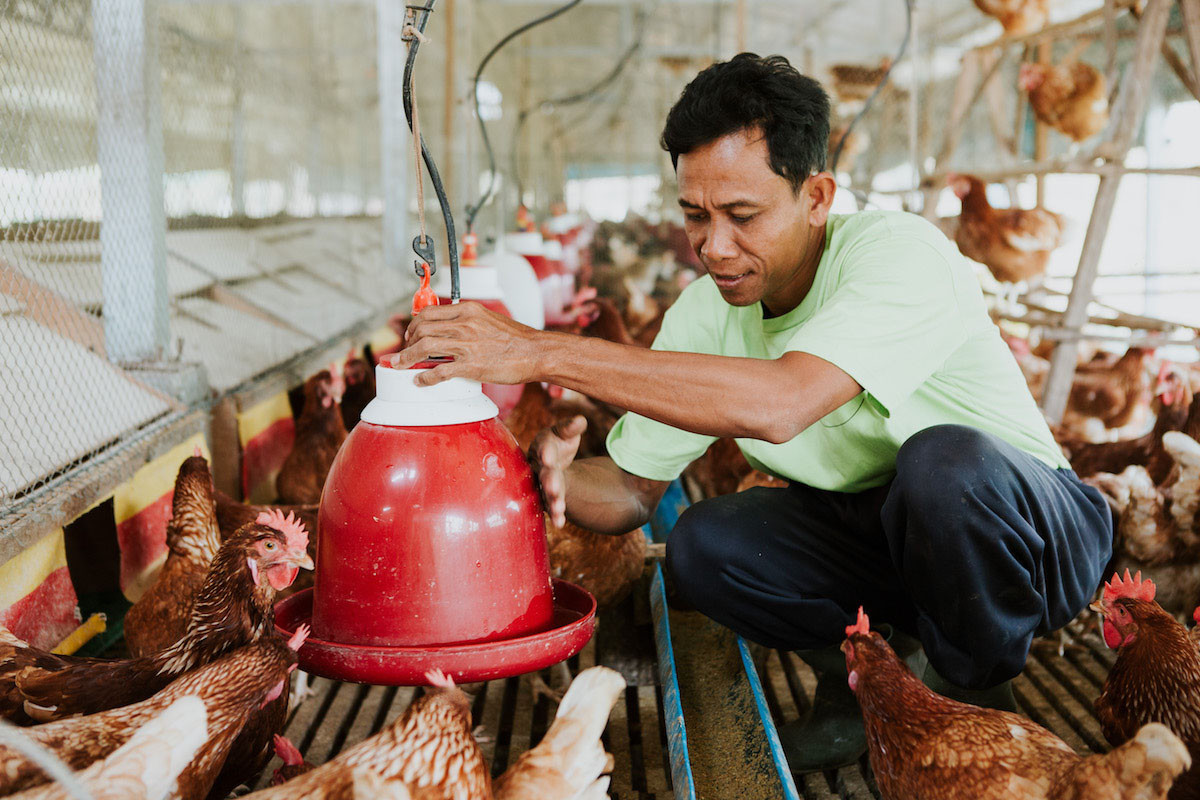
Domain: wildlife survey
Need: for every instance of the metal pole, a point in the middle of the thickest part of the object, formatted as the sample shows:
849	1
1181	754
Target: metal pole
395	143
133	252
237	139
1131	102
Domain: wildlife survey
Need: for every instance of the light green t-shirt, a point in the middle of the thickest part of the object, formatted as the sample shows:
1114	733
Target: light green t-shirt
896	307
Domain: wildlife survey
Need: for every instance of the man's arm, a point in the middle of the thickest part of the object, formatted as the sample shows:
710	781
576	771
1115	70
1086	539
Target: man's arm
769	399
593	493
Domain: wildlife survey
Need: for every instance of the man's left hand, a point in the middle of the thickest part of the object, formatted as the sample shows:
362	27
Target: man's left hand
485	346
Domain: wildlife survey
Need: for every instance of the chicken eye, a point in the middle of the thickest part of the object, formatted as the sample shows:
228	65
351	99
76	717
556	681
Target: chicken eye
270	545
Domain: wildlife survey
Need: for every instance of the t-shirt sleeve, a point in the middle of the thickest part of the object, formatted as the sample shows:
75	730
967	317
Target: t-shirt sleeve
892	321
649	449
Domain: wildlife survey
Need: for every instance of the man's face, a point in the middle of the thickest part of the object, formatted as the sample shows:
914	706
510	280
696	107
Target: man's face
753	233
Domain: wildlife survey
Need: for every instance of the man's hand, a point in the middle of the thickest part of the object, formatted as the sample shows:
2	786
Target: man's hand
551	453
486	346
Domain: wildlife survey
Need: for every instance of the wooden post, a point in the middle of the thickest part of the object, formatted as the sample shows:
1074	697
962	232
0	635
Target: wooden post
1190	10
1132	104
1041	131
133	249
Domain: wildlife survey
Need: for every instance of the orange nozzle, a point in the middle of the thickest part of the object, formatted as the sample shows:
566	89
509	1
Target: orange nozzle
470	253
424	296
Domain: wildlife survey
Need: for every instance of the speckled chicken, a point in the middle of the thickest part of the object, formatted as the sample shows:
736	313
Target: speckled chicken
319	435
160	617
429	748
233	608
229	689
1116	397
923	746
148	765
1156	677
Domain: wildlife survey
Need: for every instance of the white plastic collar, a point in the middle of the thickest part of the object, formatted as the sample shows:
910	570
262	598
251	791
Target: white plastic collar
475	283
526	243
399	401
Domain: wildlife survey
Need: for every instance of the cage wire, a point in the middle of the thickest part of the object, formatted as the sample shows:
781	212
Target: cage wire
271	197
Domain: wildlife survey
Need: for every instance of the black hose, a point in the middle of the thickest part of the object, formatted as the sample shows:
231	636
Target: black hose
837	151
434	177
586	94
473	211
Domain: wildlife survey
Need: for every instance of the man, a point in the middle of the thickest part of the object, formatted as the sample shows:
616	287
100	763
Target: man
851	355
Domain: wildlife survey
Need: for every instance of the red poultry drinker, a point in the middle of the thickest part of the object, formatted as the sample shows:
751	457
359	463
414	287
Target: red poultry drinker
432	548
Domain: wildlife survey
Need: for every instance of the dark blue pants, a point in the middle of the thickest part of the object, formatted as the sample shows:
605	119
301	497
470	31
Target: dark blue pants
974	547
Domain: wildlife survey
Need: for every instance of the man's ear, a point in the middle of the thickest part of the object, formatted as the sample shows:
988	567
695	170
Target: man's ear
820	189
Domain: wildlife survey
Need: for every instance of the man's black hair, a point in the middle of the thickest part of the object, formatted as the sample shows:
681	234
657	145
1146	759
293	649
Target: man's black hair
750	91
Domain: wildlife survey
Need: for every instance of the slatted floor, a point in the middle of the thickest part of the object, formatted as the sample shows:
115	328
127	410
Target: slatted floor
1055	691
509	721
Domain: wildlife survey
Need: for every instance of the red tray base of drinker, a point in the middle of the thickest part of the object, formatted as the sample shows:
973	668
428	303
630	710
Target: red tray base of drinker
572	627
432	548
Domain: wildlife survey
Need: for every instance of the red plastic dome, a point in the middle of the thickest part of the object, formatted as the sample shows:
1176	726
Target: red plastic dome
431	529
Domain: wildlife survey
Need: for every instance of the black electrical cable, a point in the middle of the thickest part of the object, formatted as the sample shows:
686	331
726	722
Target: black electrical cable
586	94
837	152
473	211
434	177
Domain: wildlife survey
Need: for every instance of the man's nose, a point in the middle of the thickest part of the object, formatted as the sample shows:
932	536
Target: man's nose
718	244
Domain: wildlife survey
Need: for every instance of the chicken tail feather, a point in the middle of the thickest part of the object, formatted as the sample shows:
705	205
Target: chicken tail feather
1141	769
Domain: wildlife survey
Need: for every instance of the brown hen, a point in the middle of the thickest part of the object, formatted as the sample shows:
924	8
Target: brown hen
1017	16
233	608
1156	677
161	615
359	377
1014	244
319	434
923	746
1071	98
429	748
230	688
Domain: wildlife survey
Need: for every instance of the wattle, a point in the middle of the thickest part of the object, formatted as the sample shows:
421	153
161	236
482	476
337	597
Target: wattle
1112	637
281	577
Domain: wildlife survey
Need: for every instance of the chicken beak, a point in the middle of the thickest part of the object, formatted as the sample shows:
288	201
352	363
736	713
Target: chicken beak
1098	607
303	561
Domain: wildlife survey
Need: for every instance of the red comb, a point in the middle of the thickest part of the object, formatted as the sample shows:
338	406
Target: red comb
1133	587
862	625
439	679
299	637
196	452
1196	615
291	528
287	751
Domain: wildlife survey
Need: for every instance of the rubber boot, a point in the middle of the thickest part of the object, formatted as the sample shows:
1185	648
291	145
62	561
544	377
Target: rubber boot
831	734
999	697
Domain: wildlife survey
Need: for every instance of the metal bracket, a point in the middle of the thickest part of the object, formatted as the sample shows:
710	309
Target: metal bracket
426	252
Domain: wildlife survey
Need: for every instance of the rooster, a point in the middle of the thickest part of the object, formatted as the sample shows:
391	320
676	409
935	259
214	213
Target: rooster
1014	244
923	746
233	514
1018	17
1156	677
1072	98
160	617
233	608
230	689
148	765
319	434
429	748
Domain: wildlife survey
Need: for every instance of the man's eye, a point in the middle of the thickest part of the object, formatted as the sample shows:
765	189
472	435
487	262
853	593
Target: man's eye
741	220
694	217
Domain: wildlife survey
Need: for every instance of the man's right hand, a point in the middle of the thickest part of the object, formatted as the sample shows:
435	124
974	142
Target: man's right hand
551	453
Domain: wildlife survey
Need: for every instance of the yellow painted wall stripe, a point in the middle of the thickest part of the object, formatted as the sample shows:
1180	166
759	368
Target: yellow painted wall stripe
258	418
23	573
154	480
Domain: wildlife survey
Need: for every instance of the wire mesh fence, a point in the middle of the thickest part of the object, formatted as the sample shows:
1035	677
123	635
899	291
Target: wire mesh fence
250	185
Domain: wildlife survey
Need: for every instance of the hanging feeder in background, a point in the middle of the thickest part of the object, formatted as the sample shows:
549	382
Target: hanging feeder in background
432	548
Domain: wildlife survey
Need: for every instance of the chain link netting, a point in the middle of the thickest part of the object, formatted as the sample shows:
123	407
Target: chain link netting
271	197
